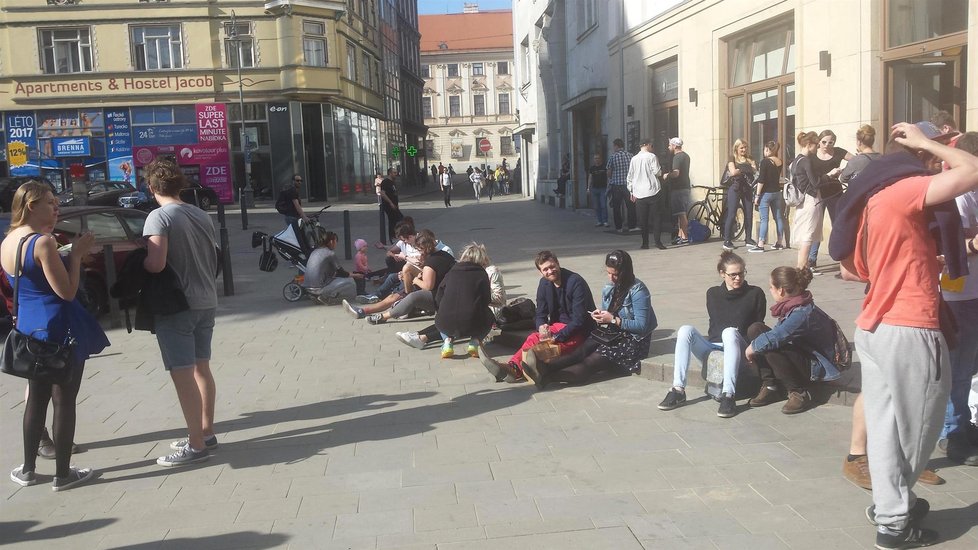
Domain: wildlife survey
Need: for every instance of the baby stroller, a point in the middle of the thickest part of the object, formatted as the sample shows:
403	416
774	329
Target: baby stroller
293	244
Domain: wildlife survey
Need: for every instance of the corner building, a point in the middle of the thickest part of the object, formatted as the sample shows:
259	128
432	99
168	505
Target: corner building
128	78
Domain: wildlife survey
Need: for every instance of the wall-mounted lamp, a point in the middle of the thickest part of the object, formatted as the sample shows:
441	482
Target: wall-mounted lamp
630	111
694	96
825	62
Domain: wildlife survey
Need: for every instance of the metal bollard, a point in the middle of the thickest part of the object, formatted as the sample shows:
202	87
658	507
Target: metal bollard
347	243
225	252
107	253
383	228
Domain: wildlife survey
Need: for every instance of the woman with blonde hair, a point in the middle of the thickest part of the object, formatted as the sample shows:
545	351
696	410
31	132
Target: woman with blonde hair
741	169
865	139
806	228
768	196
47	308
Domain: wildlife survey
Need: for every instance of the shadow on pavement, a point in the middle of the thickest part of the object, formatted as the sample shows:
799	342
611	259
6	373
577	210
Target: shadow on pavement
243	539
20	531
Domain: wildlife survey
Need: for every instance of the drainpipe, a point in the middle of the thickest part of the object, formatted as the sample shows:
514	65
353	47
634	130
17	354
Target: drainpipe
621	65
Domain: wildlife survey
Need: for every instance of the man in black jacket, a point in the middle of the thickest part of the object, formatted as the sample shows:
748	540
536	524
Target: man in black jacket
564	306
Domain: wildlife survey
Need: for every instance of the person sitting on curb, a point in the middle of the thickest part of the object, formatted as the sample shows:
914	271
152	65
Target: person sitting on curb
474	253
435	265
564	306
733	306
798	350
325	279
626	309
462	301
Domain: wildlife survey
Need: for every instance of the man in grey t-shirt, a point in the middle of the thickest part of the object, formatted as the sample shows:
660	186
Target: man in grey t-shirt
679	197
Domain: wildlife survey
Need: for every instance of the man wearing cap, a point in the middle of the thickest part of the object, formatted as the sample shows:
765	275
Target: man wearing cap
905	370
646	192
617	171
678	179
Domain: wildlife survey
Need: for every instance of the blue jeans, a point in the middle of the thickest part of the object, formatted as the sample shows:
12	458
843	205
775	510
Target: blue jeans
964	358
600	199
390	285
775	203
689	341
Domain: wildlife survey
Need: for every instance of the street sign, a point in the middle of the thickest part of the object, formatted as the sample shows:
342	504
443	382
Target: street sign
484	145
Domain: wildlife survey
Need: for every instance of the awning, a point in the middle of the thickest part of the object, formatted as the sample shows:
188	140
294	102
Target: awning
584	98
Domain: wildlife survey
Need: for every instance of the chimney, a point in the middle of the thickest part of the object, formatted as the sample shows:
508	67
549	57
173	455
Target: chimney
470	7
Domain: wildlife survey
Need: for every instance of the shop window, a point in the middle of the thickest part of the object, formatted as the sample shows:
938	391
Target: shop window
156	47
910	21
314	43
426	107
478	69
239	43
351	61
66	50
454	106
502	67
453	69
504	104
479	105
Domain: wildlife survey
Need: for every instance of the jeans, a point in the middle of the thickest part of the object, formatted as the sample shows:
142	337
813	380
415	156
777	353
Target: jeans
830	205
775	203
600	198
649	211
448	195
964	358
743	200
390	285
621	201
689	341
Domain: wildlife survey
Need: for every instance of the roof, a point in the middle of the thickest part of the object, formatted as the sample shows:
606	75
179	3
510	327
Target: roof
466	31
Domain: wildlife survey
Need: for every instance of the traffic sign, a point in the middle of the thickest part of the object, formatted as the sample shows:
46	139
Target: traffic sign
484	145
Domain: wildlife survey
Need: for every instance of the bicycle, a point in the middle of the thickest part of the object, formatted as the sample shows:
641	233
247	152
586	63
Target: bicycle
711	211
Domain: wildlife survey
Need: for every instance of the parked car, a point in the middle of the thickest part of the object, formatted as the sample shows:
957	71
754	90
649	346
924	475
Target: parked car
119	227
9	186
193	193
100	193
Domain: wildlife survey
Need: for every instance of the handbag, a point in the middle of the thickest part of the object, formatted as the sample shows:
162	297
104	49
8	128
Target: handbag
607	335
268	261
28	357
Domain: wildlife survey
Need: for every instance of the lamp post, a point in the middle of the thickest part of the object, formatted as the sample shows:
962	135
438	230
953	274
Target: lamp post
246	193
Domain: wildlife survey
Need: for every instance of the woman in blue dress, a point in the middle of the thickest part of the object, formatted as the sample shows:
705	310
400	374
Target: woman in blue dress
48	309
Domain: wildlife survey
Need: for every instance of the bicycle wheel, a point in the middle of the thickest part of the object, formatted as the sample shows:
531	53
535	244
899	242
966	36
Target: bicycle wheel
738	225
699	211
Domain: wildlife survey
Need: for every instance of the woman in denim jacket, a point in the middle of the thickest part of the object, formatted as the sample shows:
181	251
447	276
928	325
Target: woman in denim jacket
626	308
796	351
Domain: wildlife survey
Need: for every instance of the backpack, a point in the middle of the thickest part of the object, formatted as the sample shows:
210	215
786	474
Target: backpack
697	232
842	358
793	196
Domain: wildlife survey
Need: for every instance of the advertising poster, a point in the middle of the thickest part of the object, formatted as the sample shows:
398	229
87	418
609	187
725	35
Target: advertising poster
118	145
456	148
22	144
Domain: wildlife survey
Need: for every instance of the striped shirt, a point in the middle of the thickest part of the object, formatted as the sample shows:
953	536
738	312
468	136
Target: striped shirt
618	166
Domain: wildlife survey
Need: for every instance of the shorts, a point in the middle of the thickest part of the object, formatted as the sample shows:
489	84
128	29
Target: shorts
185	337
679	201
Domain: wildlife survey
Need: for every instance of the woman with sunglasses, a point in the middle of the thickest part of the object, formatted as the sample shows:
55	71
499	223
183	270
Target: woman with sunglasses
826	162
733	306
626	312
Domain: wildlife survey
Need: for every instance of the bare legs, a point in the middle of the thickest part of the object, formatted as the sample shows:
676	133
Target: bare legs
196	392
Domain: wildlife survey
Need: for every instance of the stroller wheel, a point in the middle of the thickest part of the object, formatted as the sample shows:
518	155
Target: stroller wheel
292	292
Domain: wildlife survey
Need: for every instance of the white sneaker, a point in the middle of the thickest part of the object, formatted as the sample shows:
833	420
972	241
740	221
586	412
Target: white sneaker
411	338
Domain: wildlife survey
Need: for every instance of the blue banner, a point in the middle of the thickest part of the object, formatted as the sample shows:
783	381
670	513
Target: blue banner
118	145
167	134
65	147
22	144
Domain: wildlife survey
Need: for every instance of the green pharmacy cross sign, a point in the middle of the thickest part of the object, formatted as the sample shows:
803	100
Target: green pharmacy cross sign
411	152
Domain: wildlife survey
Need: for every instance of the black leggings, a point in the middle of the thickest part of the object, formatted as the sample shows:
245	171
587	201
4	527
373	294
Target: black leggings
743	200
39	393
788	364
578	366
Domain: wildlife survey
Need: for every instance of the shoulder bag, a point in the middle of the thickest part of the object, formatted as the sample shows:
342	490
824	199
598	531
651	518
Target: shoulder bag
607	335
28	357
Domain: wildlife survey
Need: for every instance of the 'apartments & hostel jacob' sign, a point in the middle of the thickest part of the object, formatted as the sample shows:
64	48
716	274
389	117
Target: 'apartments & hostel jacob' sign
23	89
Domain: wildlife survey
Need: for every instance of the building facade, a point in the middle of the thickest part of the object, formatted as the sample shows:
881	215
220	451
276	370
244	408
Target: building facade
136	78
469	94
709	74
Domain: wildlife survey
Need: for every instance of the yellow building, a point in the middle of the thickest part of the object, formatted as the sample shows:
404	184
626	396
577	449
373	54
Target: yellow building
126	78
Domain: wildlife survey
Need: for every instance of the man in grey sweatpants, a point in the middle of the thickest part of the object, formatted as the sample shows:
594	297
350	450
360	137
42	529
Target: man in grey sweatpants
905	362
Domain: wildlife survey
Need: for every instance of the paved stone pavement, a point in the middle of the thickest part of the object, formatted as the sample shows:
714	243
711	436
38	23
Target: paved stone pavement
335	435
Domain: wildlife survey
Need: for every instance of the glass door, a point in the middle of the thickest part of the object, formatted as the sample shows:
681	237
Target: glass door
919	87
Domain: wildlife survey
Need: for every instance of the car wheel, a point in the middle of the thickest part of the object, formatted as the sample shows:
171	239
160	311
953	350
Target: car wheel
205	203
94	296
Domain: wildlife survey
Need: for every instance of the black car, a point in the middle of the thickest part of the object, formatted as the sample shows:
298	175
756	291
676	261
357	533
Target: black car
100	193
193	193
9	186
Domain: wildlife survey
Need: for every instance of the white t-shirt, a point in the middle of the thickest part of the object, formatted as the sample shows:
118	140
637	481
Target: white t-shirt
968	207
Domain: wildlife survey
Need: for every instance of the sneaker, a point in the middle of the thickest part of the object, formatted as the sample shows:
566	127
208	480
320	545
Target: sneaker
606	224
495	368
798	401
472	350
681	241
356	312
911	537
22	478
183	457
376	319
599	224
660	246
367	299
447	350
750	242
727	245
778	246
621	230
209	443
634	229
673	399
532	370
755	248
75	477
728	406
857	472
917	513
765	396
411	338
959	450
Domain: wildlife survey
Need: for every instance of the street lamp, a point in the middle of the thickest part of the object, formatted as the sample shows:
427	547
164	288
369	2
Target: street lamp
246	193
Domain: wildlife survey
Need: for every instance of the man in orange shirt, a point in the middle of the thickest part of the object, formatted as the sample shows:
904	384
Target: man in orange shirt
904	356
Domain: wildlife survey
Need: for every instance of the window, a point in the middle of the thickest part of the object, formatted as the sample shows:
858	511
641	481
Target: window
911	21
156	47
66	50
426	107
506	145
314	43
367	81
478	69
239	39
762	55
587	15
426	71
525	54
502	67
504	104
453	69
479	104
351	61
454	106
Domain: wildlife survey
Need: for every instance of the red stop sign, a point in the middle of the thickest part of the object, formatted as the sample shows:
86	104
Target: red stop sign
484	145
